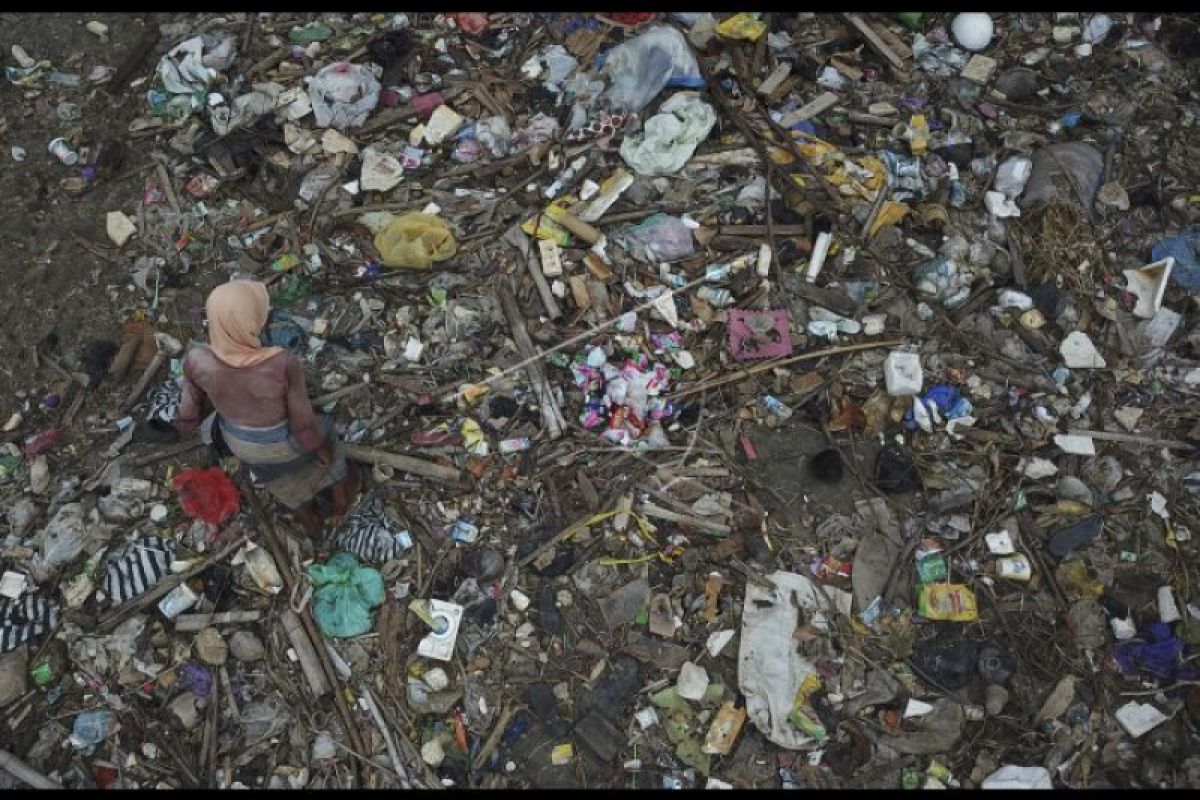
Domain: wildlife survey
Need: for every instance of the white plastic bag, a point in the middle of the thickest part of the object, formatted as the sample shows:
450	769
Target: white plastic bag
1011	776
770	670
343	94
669	138
641	67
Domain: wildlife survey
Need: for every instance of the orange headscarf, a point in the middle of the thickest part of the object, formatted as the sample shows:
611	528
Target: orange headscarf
237	312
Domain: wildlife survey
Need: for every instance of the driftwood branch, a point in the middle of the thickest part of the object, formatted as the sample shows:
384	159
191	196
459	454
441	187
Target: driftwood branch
417	466
551	413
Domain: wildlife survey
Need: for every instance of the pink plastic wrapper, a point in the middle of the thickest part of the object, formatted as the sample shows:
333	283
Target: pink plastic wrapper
758	334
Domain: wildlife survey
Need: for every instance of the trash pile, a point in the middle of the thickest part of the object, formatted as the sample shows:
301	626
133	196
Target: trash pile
748	400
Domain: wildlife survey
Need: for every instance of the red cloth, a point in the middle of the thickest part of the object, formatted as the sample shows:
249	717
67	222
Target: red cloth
207	494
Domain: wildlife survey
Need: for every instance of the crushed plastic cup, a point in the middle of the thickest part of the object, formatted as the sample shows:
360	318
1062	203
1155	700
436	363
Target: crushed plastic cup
63	152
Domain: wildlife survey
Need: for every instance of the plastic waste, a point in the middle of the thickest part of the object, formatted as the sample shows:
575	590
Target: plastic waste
415	241
770	676
1074	164
743	25
951	663
1011	776
669	138
207	494
947	601
972	30
640	68
62	540
343	95
344	593
91	728
660	237
1184	247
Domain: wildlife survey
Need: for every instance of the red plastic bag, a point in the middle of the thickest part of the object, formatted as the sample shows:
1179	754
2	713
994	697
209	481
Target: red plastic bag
473	22
207	494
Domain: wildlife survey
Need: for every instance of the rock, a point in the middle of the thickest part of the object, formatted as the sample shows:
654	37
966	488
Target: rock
184	709
693	681
39	475
119	227
211	648
1058	701
995	698
14	672
245	646
1128	416
519	599
1078	352
432	752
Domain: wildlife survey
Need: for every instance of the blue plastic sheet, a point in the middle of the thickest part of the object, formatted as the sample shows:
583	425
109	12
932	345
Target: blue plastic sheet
1186	249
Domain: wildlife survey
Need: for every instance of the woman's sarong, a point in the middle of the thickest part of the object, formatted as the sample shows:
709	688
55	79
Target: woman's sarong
292	476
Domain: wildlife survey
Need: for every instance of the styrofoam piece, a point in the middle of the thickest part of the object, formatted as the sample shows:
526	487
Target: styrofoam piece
902	373
1149	283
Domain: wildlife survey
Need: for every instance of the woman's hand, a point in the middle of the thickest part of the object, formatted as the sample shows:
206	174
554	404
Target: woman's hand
325	454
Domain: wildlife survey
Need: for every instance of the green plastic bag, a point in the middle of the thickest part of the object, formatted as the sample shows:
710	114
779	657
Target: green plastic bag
344	594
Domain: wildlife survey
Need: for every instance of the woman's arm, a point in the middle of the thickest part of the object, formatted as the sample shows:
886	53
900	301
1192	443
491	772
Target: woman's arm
301	417
191	404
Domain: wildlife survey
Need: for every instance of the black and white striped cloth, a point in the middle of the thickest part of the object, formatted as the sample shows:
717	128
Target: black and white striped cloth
371	533
24	618
142	566
164	400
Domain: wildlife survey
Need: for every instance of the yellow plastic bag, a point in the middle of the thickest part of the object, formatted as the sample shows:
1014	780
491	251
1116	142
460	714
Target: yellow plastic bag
742	26
415	241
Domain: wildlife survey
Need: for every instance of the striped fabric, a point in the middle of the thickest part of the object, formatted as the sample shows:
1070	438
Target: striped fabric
144	565
24	618
371	533
164	401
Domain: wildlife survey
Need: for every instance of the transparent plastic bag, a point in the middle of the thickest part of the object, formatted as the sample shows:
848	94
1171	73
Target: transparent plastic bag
661	237
343	94
415	241
640	68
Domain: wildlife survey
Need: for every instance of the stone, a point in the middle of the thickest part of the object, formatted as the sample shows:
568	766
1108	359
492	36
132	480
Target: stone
693	681
1078	352
245	646
14	672
211	648
995	698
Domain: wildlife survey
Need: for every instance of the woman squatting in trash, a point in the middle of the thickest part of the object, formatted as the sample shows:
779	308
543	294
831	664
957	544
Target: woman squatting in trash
262	413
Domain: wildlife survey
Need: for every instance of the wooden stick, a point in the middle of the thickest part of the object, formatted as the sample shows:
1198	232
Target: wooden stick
517	238
188	623
275	547
338	394
149	38
875	41
565	533
393	751
25	773
151	368
417	466
551	413
742	374
170	452
651	510
485	752
1129	438
124	357
168	187
306	653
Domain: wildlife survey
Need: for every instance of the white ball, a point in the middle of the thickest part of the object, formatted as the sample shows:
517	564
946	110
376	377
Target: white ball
972	30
